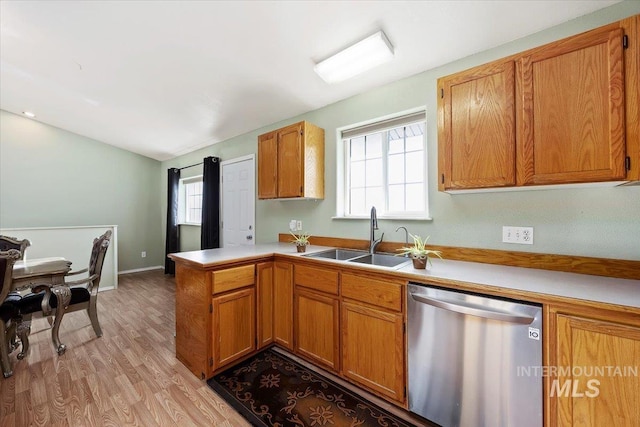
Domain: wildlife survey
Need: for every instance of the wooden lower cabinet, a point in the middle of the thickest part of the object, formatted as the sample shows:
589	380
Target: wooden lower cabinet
193	319
234	323
264	304
373	349
317	328
581	346
283	304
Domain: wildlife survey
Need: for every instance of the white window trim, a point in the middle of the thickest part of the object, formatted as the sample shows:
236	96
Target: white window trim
342	176
182	202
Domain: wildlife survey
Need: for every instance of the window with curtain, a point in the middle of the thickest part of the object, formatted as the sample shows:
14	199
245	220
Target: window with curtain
385	166
190	200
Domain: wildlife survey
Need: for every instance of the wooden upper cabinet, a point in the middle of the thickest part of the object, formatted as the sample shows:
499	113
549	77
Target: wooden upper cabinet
572	126
477	127
632	97
267	166
291	162
565	112
290	157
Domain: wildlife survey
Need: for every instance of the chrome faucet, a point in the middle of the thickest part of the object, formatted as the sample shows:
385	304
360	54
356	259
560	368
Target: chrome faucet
406	233
373	225
406	237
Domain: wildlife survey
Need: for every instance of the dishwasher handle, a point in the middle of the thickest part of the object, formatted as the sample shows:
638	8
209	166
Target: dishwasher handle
474	310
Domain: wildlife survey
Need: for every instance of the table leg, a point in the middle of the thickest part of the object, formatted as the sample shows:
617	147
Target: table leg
63	294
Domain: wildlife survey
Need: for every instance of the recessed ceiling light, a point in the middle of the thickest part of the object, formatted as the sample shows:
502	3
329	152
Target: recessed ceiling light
357	58
29	114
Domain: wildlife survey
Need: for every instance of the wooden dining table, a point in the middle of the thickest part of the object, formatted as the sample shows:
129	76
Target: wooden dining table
37	275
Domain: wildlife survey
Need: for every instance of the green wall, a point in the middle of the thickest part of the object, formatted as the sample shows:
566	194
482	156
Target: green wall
600	222
50	177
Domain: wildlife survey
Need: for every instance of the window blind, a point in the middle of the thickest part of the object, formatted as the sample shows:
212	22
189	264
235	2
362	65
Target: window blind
405	120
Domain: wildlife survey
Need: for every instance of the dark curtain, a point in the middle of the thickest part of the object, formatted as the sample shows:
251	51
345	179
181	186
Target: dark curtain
173	235
210	237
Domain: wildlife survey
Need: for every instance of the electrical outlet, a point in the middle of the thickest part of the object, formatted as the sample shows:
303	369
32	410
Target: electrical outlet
299	225
292	225
518	235
143	254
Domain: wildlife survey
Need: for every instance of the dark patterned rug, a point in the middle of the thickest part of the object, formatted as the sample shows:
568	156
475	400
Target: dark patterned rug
272	390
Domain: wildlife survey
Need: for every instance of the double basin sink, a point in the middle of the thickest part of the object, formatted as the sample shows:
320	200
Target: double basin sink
362	257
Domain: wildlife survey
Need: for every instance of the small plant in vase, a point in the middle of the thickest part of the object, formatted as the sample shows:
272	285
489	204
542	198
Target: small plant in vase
419	253
301	241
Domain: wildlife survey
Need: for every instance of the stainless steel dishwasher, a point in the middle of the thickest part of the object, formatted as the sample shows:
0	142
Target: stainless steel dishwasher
473	360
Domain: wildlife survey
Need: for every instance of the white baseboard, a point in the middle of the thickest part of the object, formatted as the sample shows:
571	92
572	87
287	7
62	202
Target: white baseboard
139	270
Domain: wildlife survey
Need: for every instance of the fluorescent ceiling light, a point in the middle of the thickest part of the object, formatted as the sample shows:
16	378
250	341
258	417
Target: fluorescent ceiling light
358	58
29	114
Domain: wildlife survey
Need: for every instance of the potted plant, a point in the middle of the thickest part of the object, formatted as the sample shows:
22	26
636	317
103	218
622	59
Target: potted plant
419	253
301	241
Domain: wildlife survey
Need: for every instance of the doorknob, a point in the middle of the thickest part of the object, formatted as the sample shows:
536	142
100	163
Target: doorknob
249	237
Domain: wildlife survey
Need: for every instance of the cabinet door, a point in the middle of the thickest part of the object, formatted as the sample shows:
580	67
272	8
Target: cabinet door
586	397
477	127
373	349
267	166
234	321
264	288
572	126
632	96
283	304
290	161
317	333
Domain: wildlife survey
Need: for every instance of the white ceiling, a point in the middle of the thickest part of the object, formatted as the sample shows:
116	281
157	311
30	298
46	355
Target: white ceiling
163	78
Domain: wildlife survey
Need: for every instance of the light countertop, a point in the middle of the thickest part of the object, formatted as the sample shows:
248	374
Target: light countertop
623	292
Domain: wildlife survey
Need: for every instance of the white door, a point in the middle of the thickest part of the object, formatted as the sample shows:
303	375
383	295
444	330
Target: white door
238	201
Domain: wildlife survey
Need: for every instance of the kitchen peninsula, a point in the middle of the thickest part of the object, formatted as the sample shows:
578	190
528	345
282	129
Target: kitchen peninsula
233	302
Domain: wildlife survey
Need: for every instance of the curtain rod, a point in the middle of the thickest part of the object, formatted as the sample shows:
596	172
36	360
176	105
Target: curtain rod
214	159
190	166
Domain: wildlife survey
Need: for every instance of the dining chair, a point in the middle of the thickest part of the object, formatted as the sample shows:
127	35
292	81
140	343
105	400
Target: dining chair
8	311
7	242
84	294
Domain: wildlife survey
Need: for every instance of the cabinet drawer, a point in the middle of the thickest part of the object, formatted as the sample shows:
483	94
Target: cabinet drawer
233	278
316	278
383	293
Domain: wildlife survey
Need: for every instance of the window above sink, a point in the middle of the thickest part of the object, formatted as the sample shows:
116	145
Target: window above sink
383	163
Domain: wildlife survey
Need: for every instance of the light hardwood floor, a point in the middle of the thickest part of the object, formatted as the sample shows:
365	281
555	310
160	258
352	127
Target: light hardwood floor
129	377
